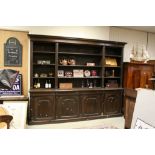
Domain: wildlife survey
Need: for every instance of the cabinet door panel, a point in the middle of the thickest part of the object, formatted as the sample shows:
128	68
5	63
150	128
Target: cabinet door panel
90	104
67	106
42	107
112	102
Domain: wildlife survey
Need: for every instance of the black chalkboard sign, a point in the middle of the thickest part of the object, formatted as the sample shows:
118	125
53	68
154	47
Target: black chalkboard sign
12	52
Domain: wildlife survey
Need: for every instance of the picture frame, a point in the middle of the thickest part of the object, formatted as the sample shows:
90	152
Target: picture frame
16	88
140	124
60	73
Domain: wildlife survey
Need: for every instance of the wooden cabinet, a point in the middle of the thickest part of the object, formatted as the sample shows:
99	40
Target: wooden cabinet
90	104
67	105
112	103
137	75
87	67
42	107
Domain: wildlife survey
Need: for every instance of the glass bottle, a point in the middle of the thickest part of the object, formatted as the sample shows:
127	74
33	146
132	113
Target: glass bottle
91	85
38	84
46	84
82	85
94	83
49	84
87	83
35	84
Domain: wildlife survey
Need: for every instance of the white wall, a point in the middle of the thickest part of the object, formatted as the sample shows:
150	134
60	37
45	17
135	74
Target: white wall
132	37
92	32
151	45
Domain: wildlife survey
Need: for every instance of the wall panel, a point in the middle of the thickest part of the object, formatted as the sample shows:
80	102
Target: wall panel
151	45
23	38
132	37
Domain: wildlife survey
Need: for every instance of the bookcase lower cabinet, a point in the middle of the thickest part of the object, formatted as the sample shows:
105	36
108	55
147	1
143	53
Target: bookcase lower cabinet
62	106
112	103
67	105
42	108
90	104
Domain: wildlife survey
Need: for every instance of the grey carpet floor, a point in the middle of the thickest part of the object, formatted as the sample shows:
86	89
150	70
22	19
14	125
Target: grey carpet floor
116	122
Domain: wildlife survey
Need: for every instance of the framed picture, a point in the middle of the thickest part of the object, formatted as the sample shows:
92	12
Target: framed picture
16	88
140	124
60	73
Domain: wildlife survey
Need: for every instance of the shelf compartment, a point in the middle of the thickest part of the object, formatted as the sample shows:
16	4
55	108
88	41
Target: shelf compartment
43	46
81	82
80	49
112	82
42	82
81	60
113	51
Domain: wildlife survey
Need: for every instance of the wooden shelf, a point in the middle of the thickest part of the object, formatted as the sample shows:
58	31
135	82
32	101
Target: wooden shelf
112	66
110	77
44	52
91	77
43	77
84	54
84	66
111	55
44	64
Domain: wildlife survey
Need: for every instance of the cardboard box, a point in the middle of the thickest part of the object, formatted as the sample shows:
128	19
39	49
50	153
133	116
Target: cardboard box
65	85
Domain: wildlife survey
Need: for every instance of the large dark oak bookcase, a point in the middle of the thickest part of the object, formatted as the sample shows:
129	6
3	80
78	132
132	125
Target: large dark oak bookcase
95	93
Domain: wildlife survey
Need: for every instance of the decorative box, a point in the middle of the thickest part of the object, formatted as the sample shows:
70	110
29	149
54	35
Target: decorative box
110	61
65	85
68	74
90	64
78	73
43	75
93	73
43	62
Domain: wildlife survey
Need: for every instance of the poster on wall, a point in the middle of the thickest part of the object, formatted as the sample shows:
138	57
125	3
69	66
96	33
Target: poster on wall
13	52
16	88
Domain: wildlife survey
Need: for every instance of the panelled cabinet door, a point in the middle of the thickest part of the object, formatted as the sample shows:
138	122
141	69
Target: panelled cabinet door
42	107
67	106
144	80
90	104
112	102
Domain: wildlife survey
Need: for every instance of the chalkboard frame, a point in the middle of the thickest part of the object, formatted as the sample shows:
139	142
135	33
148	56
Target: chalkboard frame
13	53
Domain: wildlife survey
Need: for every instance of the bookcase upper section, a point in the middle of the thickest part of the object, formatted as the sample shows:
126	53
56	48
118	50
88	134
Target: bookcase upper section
64	62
